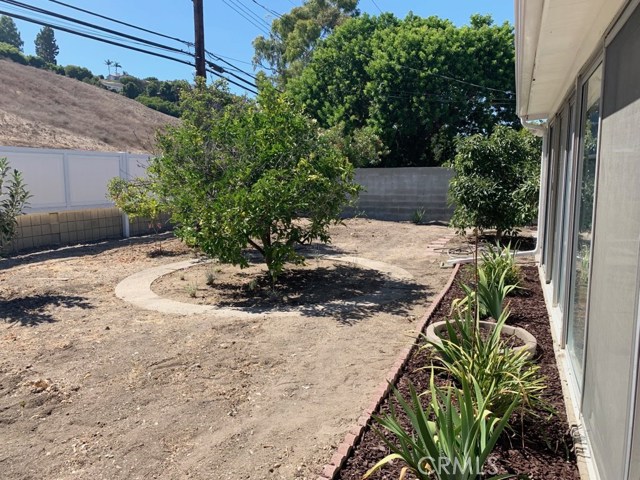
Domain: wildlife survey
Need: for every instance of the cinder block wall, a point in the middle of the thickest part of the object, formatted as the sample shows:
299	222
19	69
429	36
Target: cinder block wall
45	230
396	193
38	230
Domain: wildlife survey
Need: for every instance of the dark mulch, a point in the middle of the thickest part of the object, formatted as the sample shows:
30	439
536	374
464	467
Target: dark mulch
537	447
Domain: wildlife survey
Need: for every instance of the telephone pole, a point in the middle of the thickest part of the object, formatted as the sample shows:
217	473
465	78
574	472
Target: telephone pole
198	23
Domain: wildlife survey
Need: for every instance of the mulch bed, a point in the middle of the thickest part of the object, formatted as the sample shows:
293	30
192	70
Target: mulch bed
537	447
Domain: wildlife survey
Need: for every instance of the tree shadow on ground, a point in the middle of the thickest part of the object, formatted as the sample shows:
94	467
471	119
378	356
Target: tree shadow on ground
30	311
397	298
58	252
345	292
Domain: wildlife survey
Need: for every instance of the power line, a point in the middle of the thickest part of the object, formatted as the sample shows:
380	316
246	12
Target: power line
116	35
219	58
273	12
104	17
220	69
446	77
136	27
376	5
118	44
93	37
259	27
213	72
240	4
94	26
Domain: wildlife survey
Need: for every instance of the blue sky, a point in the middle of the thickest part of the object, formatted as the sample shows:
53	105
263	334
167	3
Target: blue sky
226	32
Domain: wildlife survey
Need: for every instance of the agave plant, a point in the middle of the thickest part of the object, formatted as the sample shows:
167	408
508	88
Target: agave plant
450	439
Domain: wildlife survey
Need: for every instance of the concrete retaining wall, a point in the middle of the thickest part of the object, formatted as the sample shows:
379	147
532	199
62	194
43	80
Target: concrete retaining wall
397	193
56	229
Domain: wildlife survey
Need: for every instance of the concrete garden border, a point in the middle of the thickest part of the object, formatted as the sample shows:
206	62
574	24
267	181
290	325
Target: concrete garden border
530	343
136	289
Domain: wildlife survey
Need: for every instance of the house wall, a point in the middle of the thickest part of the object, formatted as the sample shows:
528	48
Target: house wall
591	258
615	259
398	193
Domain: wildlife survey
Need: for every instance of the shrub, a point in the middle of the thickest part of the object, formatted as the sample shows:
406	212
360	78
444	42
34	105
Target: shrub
79	73
157	103
12	53
237	173
13	198
35	62
496	181
450	439
58	69
136	199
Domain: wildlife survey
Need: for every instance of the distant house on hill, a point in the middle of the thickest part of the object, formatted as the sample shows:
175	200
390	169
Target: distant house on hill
113	85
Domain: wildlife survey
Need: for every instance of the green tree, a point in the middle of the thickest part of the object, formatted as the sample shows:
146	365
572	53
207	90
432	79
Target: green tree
46	45
132	87
79	73
417	83
13	198
496	181
238	173
294	35
9	32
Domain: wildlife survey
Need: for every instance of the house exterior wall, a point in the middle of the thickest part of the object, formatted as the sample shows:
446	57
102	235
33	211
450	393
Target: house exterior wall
616	244
591	260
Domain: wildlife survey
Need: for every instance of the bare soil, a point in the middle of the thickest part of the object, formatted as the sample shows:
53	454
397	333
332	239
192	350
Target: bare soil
316	282
93	388
41	109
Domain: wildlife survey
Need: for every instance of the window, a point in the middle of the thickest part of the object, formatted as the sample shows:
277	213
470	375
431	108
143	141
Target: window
584	201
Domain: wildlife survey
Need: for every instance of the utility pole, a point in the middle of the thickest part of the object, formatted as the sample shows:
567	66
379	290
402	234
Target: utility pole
198	23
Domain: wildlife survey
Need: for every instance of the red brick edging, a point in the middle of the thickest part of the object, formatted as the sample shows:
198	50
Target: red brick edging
339	458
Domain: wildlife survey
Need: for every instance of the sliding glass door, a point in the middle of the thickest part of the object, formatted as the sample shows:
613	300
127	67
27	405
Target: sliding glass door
583	223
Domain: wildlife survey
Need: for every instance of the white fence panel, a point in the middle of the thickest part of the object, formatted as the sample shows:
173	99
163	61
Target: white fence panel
71	179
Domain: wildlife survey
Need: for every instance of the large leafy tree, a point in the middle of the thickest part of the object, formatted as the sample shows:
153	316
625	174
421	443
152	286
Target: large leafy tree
46	45
9	32
237	173
293	35
496	181
417	82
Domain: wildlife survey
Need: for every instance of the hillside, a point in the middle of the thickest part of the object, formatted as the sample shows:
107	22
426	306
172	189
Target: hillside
41	109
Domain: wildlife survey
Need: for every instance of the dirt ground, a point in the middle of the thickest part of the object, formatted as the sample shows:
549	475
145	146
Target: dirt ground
94	388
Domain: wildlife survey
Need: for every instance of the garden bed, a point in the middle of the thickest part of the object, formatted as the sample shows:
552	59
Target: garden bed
536	448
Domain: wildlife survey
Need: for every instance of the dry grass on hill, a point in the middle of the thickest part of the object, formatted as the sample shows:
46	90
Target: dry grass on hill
41	109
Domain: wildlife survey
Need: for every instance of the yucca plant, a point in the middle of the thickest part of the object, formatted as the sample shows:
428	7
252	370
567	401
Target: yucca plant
450	439
504	375
501	260
491	293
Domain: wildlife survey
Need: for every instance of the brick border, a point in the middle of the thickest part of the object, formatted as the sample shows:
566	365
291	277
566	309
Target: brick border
353	436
